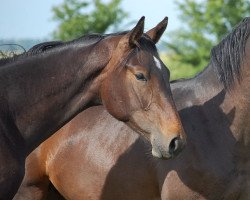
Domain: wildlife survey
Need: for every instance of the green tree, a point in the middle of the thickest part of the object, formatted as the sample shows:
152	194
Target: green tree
205	23
77	17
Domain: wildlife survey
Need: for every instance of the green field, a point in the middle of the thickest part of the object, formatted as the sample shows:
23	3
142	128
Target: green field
177	69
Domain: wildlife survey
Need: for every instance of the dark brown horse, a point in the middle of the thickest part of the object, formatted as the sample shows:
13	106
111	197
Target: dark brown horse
86	160
43	89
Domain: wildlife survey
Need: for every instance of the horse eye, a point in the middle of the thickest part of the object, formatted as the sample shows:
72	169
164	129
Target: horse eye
140	77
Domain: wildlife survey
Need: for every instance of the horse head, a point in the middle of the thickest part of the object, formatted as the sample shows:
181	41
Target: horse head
136	90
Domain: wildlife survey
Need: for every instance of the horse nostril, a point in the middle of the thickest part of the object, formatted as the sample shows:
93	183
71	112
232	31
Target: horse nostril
174	145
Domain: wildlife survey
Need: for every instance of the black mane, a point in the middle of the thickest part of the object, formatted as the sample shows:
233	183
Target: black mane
228	56
86	40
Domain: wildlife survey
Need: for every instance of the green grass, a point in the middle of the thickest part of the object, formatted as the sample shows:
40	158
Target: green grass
177	69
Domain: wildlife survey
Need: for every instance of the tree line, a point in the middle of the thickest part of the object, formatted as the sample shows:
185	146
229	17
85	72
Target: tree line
204	24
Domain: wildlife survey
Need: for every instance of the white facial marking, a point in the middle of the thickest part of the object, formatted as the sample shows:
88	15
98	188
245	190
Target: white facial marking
157	62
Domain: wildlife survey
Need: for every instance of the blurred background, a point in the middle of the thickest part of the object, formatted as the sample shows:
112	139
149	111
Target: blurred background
194	27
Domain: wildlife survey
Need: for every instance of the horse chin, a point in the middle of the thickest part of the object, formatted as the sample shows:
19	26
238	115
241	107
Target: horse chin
157	154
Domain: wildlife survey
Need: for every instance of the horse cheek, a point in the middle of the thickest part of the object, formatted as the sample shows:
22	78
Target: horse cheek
113	98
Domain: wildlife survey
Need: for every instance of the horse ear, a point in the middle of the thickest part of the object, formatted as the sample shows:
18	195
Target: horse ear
136	32
130	39
156	32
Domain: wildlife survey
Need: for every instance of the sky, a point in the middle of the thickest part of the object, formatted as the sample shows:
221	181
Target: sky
32	19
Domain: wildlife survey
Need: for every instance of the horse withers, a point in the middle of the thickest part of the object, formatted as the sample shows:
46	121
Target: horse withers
46	87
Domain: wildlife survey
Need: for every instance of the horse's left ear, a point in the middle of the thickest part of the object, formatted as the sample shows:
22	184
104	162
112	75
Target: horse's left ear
156	32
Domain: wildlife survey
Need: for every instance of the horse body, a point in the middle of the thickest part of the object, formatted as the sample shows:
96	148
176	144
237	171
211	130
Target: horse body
218	167
45	88
50	165
214	109
215	115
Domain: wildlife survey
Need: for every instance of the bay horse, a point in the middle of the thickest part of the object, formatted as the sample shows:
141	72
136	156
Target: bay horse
107	160
45	88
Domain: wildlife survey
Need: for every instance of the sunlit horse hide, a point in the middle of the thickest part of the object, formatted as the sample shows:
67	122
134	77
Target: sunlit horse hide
46	87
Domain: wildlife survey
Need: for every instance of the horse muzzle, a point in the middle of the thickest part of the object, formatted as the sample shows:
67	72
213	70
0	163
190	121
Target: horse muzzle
170	150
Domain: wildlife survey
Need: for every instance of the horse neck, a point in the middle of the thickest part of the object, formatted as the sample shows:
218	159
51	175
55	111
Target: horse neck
197	90
238	99
51	88
208	110
240	95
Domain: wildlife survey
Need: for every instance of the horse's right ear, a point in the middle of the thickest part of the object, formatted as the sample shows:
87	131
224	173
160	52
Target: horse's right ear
136	33
156	32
